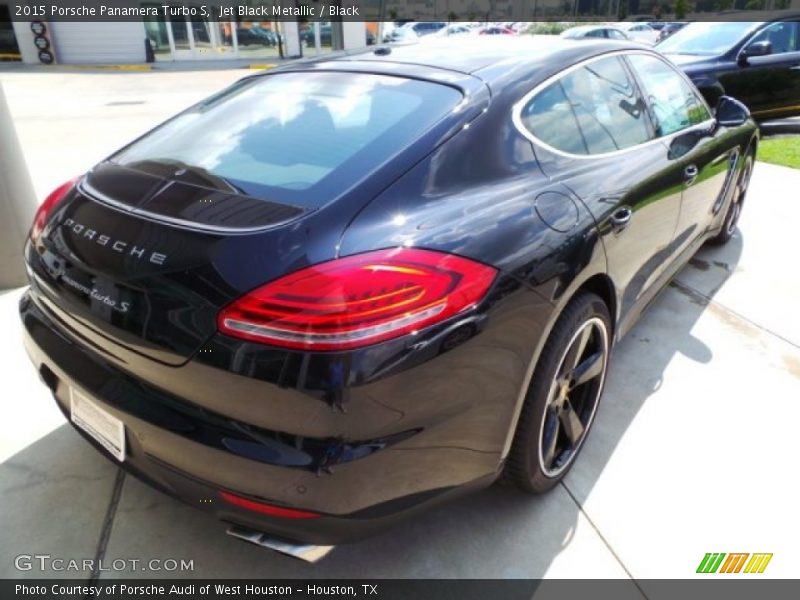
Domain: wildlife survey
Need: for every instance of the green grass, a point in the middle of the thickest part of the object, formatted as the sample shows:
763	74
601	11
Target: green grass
781	151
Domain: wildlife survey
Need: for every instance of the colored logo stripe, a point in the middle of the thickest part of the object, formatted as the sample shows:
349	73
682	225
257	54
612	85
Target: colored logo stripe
734	562
758	563
710	562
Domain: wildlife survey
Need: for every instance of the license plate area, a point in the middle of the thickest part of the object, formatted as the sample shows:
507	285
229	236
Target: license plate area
102	426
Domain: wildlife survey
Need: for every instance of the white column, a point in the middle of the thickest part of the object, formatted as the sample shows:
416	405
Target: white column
234	39
17	202
291	39
354	34
171	40
190	35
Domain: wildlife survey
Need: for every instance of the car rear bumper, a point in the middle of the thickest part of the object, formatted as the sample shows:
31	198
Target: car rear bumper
191	453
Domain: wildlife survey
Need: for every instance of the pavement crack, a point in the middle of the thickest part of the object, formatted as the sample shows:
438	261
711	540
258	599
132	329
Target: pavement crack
108	523
604	540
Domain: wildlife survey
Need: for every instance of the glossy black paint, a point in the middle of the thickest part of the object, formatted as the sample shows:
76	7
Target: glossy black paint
769	84
411	421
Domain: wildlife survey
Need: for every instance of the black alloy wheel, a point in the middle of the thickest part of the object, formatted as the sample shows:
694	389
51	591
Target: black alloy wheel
563	396
737	202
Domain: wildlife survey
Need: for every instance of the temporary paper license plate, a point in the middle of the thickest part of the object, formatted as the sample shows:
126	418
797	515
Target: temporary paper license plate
105	428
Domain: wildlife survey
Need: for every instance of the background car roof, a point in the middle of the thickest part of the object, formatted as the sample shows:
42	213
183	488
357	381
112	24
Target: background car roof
589	27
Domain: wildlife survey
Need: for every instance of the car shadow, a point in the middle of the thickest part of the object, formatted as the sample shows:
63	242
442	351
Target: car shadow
56	492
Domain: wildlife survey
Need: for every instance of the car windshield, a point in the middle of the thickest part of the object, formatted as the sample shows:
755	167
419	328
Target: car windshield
298	137
706	39
577	32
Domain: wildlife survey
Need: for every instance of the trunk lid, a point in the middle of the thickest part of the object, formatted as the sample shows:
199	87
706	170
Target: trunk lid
118	257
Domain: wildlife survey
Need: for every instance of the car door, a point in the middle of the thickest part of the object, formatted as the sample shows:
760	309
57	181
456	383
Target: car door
701	156
592	133
769	84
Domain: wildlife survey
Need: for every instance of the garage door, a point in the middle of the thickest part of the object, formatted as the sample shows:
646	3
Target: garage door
113	42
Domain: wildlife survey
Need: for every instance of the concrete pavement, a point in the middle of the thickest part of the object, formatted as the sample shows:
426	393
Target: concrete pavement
693	449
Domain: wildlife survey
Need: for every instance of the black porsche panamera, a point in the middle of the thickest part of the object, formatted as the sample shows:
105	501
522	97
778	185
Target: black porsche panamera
347	289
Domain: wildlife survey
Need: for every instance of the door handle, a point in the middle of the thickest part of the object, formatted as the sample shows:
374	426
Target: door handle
795	68
621	218
690	174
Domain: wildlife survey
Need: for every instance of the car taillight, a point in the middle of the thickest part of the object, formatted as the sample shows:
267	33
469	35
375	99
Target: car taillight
42	214
358	300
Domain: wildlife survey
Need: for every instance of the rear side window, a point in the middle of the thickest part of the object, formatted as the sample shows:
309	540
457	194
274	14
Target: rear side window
592	110
674	104
290	134
550	118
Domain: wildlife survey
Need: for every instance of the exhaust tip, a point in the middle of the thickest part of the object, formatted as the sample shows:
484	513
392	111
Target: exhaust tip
305	552
49	378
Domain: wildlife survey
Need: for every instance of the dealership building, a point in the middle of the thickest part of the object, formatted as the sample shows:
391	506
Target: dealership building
155	38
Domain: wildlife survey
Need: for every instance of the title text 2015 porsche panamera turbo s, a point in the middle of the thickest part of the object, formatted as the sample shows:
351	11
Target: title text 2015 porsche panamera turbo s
348	289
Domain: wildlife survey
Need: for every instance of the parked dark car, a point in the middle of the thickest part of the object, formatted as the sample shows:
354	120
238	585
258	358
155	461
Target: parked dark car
248	37
313	321
325	36
757	63
669	29
270	37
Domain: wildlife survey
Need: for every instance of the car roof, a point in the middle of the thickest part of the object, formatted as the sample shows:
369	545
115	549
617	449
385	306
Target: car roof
482	52
590	27
494	62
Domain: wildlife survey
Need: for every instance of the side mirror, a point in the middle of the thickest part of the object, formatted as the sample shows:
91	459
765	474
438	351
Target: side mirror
762	48
731	113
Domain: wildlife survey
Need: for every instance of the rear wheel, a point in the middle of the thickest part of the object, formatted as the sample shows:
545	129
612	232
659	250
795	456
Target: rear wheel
563	395
735	208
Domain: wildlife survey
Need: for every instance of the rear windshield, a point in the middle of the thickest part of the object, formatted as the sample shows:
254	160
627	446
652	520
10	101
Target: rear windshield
287	136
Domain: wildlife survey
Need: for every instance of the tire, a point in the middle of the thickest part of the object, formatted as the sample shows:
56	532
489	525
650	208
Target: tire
548	439
737	202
